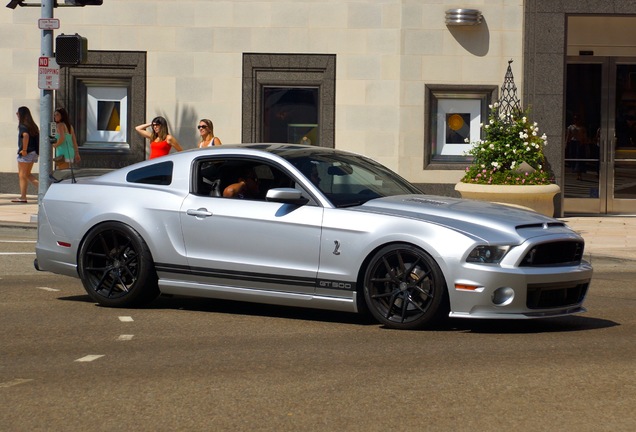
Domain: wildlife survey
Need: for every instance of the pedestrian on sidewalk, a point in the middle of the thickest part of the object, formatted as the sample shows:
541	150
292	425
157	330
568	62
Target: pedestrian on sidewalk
160	140
206	133
66	150
28	151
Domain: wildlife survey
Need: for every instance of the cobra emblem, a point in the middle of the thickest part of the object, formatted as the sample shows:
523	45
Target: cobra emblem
336	249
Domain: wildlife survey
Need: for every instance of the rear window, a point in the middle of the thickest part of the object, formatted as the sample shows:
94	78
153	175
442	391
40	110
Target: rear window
157	174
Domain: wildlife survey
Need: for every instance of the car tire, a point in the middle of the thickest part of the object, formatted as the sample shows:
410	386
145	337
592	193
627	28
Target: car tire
404	288
116	266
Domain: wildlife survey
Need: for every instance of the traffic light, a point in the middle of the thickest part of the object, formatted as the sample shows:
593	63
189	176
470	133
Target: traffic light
71	49
84	2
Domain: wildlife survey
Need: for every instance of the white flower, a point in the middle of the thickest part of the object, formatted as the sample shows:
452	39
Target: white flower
524	119
495	164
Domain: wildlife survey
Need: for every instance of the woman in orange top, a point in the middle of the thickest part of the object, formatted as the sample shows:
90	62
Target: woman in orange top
160	140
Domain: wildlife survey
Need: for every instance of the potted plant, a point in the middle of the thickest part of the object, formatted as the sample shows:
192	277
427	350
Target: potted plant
508	164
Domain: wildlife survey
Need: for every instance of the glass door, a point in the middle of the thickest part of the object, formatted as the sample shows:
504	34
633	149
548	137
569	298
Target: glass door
600	135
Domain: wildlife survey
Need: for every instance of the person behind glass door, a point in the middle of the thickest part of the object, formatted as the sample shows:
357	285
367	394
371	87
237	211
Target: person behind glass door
160	140
66	150
206	133
28	146
575	145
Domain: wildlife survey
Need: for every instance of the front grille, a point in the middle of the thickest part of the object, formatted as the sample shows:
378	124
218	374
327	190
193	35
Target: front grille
541	296
569	252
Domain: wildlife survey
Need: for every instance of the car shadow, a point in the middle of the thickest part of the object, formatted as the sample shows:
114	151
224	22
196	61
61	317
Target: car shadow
571	323
231	307
482	326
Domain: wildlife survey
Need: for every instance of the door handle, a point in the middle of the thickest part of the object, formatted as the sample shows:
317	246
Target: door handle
199	213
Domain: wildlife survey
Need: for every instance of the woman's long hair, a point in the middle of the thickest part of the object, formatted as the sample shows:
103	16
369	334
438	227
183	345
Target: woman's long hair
163	129
64	118
26	119
210	126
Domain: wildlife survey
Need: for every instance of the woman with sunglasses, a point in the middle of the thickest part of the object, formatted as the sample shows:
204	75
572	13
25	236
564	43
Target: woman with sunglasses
206	133
160	140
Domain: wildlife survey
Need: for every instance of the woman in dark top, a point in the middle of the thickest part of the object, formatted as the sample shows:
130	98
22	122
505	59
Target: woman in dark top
28	149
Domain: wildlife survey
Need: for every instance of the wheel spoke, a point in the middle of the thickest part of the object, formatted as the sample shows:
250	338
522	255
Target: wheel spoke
389	310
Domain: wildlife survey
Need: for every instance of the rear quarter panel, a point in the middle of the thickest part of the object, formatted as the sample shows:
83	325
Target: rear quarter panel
70	211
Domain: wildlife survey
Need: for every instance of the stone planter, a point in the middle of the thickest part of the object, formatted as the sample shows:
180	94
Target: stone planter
539	198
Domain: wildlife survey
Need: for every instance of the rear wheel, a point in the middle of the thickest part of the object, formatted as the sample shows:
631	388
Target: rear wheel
116	267
404	287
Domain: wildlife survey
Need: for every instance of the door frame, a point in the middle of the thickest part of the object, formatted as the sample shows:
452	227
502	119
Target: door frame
605	202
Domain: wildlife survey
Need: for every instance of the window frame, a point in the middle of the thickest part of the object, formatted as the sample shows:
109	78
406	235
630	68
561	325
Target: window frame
103	69
485	94
288	70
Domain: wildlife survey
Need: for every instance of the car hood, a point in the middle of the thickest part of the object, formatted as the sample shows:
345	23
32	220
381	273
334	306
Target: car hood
478	219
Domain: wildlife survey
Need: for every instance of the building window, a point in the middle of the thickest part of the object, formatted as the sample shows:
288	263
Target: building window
106	116
290	115
455	114
289	98
106	96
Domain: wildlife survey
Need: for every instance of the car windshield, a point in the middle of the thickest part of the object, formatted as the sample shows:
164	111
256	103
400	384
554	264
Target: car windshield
349	180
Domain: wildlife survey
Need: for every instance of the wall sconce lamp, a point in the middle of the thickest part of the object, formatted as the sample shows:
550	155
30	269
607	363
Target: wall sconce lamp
463	17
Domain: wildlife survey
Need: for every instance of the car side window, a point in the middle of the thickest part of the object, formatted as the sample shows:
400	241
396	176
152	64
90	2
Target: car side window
238	178
157	174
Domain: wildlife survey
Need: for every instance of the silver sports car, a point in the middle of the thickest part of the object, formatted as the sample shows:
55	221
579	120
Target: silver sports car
310	227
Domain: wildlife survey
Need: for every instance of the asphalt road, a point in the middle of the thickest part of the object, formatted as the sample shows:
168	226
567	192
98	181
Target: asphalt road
198	365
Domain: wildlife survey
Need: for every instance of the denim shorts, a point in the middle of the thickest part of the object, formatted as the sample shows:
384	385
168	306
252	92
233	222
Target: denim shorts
31	157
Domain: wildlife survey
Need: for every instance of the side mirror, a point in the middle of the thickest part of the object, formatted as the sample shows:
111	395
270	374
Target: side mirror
286	196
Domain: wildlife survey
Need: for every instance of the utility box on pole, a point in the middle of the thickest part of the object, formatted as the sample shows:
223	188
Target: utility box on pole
71	50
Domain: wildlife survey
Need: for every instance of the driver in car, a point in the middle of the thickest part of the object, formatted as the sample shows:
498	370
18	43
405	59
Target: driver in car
246	186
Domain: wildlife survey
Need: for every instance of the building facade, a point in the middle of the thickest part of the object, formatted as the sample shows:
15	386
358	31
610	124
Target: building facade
392	79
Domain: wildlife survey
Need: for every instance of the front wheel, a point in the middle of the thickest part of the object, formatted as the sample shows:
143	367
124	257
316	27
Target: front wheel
116	267
404	288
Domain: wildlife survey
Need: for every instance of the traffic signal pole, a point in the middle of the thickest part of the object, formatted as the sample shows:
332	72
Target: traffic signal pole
46	108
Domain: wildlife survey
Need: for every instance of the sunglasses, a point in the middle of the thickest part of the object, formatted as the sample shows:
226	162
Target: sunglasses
155	124
202	127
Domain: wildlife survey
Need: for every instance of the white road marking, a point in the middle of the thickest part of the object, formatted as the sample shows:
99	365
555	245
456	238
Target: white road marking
125	337
47	289
17	241
14	382
89	358
125	319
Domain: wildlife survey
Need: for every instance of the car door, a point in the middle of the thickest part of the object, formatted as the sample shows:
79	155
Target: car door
252	243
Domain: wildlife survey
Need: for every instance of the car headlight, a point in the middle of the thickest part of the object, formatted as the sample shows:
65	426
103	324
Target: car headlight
487	254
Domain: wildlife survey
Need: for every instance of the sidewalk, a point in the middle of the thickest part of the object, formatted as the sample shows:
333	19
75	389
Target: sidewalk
605	236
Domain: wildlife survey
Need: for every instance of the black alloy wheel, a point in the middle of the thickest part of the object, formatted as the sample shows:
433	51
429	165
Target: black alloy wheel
404	287
116	267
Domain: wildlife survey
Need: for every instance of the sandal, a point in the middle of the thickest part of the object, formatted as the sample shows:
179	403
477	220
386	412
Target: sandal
19	200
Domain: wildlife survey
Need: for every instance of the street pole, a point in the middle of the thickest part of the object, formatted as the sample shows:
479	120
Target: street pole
46	107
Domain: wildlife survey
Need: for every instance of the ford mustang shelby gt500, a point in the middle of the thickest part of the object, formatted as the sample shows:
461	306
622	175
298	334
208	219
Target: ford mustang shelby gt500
310	227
